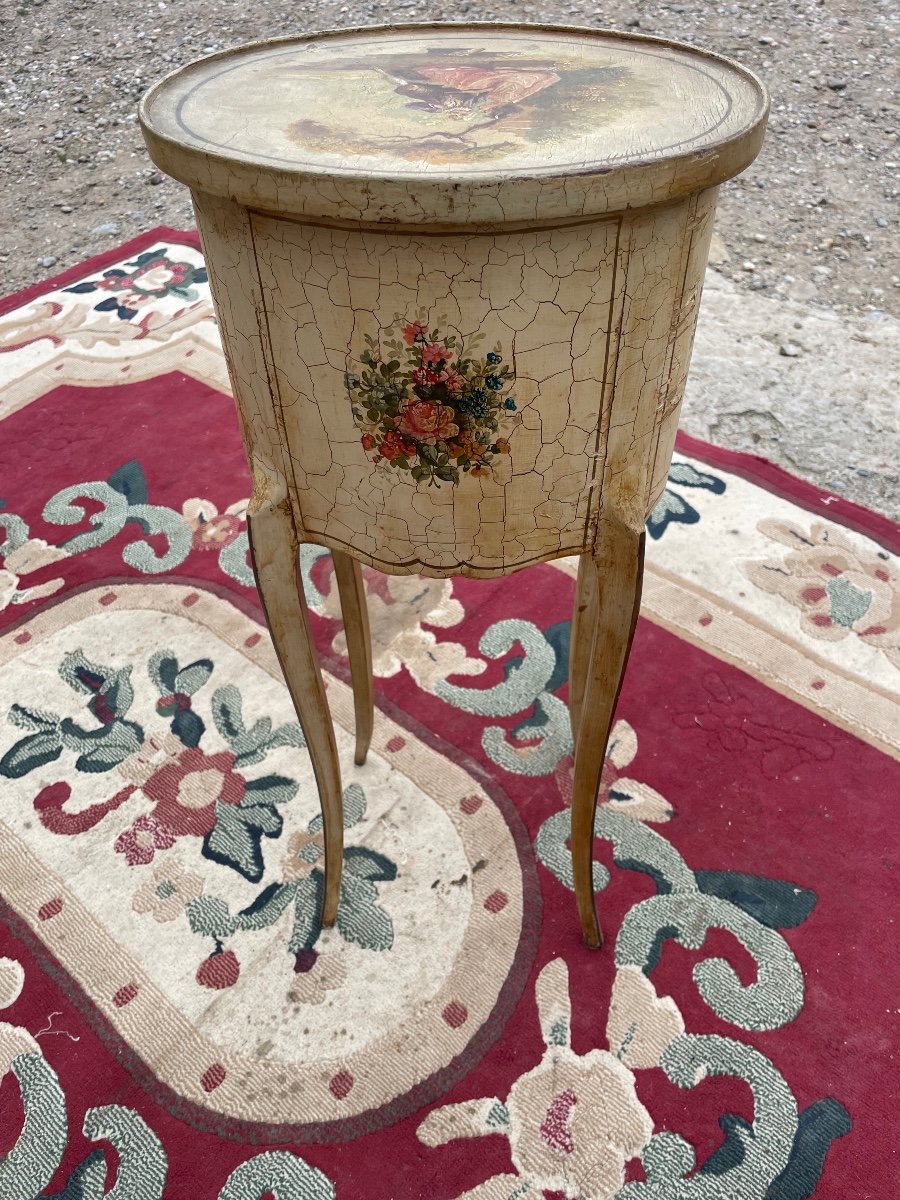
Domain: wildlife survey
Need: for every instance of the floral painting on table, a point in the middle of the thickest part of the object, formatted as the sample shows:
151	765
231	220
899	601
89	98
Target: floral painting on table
429	405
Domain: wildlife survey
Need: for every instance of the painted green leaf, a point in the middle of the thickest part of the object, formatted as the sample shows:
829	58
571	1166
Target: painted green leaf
85	676
253	745
670	508
104	748
118	692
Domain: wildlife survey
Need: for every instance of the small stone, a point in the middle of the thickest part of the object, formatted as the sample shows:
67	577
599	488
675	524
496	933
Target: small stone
155	178
759	237
108	227
49	260
863	473
789	350
633	23
836	84
882	222
66	208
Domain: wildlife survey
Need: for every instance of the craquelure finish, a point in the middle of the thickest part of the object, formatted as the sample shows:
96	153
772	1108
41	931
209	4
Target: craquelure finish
596	321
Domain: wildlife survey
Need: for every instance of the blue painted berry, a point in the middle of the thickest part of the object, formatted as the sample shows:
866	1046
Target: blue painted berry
510	404
494	382
493	357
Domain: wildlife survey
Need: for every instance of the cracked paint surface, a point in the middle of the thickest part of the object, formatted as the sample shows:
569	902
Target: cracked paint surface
438	125
598	321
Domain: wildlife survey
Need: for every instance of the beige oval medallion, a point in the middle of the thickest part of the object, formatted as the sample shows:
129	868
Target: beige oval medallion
367	1022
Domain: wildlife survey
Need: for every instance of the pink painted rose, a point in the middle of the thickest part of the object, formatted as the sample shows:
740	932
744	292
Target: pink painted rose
423	377
428	422
436	354
393	446
368	441
414	331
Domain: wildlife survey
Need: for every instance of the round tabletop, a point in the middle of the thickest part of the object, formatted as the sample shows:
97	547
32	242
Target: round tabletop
466	124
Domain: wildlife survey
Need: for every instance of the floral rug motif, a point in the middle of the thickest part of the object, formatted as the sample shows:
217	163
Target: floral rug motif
166	989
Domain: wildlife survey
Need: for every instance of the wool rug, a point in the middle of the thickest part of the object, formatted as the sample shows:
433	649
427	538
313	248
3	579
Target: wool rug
175	1023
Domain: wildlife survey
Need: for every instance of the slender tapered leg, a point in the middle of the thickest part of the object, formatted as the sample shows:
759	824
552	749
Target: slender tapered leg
348	574
617	566
584	616
274	550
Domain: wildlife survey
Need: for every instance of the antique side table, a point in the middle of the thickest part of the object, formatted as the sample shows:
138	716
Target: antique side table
456	270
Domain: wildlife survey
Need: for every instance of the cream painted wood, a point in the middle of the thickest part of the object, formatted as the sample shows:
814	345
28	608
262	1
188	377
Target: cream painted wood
276	562
581	637
309	125
359	647
457	272
617	565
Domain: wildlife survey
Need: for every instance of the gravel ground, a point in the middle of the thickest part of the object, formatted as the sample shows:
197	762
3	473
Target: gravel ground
815	220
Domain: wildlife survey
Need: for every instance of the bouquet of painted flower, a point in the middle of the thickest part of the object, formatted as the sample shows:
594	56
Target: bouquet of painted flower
426	405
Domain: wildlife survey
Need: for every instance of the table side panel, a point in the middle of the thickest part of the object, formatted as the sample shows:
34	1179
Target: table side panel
663	257
234	282
544	301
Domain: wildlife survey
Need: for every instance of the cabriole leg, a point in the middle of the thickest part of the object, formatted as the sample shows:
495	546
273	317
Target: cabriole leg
274	550
584	616
617	568
348	574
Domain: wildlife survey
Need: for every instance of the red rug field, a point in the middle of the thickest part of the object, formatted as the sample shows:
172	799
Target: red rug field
177	1027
